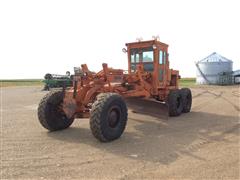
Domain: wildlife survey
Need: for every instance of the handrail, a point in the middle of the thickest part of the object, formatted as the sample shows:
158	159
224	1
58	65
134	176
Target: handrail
203	75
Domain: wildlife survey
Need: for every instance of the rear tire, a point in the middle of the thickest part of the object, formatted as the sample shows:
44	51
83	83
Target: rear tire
175	103
46	88
48	76
108	117
187	99
50	113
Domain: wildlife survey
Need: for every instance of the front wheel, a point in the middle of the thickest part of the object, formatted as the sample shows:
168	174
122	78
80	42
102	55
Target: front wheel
108	117
50	113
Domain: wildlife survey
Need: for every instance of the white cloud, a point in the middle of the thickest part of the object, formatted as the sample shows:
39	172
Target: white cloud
37	37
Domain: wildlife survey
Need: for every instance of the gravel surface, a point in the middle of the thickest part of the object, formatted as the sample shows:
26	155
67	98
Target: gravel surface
202	144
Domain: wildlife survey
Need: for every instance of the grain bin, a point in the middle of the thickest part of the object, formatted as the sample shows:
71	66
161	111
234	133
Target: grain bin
211	69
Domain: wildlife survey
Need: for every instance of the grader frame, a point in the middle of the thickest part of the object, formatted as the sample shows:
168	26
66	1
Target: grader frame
148	76
136	83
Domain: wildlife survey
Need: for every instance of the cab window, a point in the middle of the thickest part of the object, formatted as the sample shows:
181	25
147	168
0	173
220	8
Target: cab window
142	55
147	56
160	57
135	58
164	57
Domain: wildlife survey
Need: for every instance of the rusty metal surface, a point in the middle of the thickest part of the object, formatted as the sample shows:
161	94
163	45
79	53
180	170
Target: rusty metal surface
139	82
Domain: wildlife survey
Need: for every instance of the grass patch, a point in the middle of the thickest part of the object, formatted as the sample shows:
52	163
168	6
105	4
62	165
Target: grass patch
187	82
184	82
21	82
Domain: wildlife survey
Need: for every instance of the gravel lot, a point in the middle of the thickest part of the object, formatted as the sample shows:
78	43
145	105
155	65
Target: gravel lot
203	144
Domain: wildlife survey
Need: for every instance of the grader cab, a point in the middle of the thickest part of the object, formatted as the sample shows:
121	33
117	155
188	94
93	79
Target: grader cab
153	57
101	96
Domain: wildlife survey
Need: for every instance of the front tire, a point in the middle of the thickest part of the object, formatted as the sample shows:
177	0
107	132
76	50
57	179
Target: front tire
175	103
50	113
108	117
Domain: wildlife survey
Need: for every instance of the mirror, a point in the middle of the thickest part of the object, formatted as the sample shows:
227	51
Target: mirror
124	50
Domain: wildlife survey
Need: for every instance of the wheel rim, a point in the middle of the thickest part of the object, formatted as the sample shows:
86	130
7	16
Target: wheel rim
114	115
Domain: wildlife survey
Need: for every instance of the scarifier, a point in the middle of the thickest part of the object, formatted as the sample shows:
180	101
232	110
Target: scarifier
101	96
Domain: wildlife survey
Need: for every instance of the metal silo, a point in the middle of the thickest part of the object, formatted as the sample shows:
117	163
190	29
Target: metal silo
211	69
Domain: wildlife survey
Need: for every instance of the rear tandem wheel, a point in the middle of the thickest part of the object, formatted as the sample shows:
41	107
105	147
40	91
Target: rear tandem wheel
179	101
175	103
187	99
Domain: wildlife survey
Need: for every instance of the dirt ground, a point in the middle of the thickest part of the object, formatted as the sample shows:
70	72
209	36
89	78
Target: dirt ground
202	144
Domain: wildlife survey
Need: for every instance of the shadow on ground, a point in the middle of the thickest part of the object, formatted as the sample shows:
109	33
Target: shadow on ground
157	139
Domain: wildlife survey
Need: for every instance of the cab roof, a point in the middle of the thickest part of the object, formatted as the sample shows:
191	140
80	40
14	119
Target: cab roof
139	44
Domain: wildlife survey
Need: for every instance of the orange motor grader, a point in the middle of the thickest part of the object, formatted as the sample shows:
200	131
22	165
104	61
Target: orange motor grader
101	96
